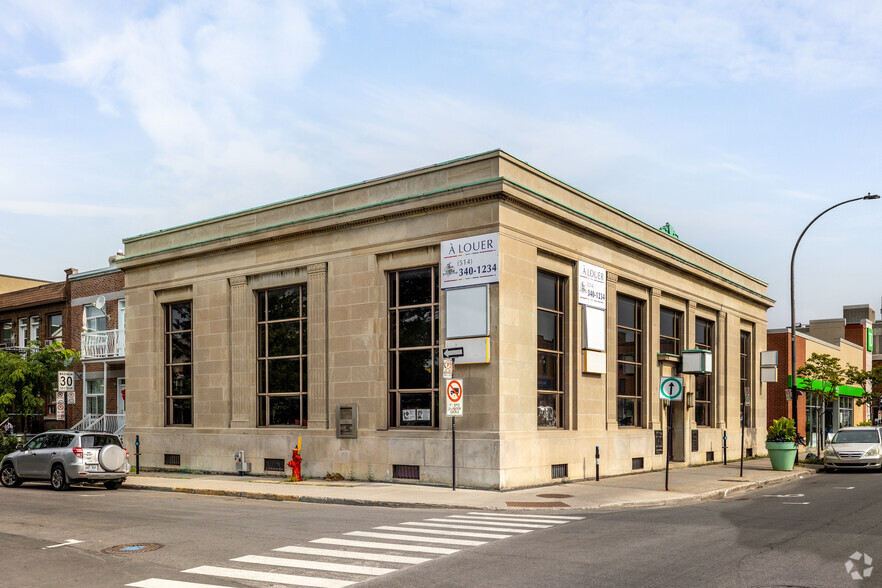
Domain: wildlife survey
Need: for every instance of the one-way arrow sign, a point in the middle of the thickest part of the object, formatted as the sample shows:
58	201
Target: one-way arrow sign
451	352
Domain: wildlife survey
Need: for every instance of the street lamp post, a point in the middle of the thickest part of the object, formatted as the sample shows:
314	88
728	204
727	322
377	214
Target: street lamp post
794	393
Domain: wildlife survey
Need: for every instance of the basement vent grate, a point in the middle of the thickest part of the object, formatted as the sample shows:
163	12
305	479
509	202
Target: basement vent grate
636	463
173	459
709	456
749	452
559	471
272	464
405	472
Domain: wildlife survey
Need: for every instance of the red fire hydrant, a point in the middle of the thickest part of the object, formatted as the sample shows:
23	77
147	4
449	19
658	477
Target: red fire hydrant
294	464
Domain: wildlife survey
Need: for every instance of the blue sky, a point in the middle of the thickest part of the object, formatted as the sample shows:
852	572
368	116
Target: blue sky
737	122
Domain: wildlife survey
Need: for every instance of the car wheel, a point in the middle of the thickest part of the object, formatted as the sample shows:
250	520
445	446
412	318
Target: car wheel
8	477
113	484
59	480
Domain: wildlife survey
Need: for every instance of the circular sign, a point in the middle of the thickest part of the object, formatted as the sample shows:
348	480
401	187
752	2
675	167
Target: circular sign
454	390
671	389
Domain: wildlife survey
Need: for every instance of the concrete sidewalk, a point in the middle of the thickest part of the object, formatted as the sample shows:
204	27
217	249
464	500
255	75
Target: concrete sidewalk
687	484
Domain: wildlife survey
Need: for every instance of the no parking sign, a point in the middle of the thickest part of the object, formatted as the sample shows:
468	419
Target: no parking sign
454	398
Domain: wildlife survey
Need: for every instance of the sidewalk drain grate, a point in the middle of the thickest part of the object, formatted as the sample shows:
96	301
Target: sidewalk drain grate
554	496
537	504
132	548
741	480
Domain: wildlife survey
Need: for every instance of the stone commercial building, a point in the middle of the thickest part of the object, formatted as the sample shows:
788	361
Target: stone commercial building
325	317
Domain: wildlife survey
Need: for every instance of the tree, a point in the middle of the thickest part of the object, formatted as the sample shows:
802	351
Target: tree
870	382
822	374
28	379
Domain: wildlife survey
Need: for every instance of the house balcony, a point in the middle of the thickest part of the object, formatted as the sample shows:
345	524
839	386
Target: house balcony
103	345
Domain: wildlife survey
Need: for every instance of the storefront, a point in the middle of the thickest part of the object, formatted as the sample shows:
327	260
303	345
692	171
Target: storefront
328	318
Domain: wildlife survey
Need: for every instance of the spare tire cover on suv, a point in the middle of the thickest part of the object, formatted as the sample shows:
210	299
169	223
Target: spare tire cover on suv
112	457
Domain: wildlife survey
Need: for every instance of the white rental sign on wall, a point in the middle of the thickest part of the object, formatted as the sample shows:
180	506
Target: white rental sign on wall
470	261
592	285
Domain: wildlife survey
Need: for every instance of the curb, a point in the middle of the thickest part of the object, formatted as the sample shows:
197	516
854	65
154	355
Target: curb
303	499
720	494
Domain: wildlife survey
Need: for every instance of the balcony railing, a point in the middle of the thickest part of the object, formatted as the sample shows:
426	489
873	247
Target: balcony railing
105	423
103	344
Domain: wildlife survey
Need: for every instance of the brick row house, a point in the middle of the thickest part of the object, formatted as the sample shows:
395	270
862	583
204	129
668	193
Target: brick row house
40	313
97	307
86	312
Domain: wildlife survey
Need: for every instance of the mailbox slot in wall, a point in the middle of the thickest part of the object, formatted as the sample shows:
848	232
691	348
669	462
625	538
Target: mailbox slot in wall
347	421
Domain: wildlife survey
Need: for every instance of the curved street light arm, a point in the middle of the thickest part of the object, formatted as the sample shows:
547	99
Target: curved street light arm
793	386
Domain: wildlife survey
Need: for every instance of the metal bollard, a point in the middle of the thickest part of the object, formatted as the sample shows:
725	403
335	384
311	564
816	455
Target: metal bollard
597	463
724	447
137	454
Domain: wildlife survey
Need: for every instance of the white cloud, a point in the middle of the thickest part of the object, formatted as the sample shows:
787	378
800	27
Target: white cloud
192	75
647	42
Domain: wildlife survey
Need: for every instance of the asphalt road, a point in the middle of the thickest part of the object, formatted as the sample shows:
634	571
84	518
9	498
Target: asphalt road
797	534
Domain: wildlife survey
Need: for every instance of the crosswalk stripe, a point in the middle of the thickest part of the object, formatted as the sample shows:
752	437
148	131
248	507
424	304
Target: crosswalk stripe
512	520
354	554
288	579
377	545
313	565
160	583
529	516
453	532
468	519
468	527
415	538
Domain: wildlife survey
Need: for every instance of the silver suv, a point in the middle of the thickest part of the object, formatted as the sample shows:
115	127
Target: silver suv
67	457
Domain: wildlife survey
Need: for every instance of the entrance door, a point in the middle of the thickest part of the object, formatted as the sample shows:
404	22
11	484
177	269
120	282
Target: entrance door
121	396
95	397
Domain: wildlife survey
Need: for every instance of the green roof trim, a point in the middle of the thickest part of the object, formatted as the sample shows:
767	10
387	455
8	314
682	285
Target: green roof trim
648	244
319	193
446	189
303	220
855	391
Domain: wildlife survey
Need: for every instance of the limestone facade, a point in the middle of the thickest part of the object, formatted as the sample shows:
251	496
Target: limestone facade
344	244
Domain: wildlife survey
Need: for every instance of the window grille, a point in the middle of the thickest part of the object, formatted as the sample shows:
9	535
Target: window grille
406	472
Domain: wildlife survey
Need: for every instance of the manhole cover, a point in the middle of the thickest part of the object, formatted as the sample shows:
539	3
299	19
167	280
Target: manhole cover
554	496
132	548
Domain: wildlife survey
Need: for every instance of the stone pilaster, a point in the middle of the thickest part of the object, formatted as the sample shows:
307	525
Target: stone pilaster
722	357
651	345
612	284
242	394
317	313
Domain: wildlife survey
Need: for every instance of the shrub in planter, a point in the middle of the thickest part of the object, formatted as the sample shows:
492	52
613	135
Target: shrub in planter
781	443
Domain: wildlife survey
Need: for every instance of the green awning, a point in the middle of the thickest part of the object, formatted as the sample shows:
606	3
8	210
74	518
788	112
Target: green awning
855	391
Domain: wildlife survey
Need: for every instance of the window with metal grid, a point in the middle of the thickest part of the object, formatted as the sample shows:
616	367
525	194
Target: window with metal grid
406	472
172	459
272	464
559	470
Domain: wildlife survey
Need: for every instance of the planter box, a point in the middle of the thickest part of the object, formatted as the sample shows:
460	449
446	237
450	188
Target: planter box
782	454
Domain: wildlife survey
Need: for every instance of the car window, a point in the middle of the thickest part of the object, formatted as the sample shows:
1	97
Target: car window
868	436
64	439
99	440
52	440
36	443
